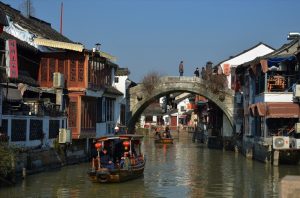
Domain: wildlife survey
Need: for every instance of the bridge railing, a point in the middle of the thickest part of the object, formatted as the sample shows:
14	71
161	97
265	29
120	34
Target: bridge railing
181	78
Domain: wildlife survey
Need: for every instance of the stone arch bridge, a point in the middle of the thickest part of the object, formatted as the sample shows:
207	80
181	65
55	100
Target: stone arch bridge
140	98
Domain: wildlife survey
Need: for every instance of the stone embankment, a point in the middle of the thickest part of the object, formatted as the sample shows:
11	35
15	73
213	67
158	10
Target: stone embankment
29	162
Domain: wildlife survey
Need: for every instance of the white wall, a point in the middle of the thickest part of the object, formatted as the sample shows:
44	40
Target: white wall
121	86
274	97
142	120
183	104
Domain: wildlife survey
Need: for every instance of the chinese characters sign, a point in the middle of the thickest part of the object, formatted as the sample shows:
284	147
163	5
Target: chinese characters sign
11	59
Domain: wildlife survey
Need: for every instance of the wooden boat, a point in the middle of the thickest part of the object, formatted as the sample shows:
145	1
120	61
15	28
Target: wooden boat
160	137
164	140
127	159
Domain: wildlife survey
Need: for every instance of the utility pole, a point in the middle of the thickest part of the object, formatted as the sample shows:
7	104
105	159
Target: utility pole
61	16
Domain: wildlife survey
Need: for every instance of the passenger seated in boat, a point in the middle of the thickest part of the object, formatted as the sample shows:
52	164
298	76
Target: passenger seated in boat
167	131
105	160
125	162
157	135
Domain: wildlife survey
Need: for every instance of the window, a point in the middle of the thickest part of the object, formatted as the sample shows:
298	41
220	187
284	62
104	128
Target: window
116	79
72	114
36	129
99	110
18	132
53	128
109	107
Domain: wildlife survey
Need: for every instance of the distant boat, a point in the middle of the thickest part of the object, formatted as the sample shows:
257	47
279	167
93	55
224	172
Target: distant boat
128	162
161	137
164	140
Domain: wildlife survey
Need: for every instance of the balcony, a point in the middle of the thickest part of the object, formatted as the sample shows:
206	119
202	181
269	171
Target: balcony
35	108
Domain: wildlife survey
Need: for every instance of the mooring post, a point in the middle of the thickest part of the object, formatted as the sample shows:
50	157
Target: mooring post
24	173
276	158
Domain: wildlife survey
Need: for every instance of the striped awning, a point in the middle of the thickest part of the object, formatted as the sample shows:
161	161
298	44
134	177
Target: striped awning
59	44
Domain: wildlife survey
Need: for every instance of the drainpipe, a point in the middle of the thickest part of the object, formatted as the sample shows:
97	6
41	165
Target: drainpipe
266	82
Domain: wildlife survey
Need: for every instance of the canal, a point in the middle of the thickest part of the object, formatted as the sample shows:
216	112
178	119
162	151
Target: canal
184	169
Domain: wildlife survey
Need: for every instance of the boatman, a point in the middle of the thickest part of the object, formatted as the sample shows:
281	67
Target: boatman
116	130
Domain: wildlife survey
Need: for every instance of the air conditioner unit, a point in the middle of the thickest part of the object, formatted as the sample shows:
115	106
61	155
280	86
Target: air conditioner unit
281	142
297	91
295	143
64	136
297	127
58	80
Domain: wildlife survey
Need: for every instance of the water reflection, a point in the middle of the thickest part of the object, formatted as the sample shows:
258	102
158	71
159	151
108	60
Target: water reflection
182	169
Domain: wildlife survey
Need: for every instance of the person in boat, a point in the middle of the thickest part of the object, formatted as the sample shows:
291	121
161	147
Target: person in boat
157	134
117	130
167	131
125	162
106	160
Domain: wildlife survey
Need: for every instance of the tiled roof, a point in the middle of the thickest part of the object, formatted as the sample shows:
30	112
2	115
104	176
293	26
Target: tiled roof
122	72
245	51
112	90
285	50
32	24
3	20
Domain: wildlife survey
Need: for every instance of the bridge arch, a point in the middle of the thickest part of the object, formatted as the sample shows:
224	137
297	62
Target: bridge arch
140	98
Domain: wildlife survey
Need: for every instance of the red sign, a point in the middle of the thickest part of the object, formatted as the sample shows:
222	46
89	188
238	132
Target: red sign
11	59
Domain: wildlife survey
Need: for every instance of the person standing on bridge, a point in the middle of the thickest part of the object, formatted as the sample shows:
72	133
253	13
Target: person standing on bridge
197	72
181	68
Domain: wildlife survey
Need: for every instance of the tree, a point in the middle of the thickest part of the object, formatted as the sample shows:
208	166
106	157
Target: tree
150	81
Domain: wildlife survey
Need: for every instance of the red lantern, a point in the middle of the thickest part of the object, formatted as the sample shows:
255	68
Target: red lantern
98	145
126	144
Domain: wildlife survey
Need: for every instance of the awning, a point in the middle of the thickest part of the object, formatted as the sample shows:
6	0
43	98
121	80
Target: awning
58	44
11	94
279	59
275	109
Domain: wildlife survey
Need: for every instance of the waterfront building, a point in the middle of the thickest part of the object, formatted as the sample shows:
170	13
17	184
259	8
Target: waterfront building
123	84
269	110
30	115
227	67
74	84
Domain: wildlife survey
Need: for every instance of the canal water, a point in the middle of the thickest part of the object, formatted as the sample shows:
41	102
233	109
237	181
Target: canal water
183	169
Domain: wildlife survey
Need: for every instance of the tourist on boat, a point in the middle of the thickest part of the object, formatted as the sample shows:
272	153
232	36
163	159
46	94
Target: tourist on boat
106	160
168	133
157	134
125	162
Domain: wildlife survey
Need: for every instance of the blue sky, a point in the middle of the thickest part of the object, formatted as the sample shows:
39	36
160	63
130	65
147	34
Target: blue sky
154	35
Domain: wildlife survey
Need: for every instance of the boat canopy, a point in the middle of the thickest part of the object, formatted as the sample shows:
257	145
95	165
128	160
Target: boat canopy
121	136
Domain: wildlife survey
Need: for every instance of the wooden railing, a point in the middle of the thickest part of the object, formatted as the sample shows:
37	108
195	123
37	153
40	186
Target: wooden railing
276	83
